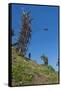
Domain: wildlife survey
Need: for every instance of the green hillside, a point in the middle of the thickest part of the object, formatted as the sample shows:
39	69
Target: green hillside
28	72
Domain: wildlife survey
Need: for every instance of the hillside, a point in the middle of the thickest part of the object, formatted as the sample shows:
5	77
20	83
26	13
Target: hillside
28	72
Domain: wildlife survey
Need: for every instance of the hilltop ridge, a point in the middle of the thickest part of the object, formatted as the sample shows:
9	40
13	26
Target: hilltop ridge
28	72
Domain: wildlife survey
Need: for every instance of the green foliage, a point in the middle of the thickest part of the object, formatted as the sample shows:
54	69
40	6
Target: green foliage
25	72
51	68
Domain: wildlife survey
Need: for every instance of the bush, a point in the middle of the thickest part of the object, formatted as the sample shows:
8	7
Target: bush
51	68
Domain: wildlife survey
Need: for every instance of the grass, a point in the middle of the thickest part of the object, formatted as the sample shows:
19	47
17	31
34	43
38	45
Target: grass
28	72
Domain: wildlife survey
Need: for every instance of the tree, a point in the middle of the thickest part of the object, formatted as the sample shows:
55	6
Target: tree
45	59
25	34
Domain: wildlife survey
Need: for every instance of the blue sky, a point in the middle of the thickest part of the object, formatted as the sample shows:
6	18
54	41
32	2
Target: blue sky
42	42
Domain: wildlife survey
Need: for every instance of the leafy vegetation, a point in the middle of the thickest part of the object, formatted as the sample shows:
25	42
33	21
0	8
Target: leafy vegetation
28	72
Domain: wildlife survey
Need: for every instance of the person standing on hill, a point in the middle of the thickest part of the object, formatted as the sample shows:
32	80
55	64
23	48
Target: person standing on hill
29	55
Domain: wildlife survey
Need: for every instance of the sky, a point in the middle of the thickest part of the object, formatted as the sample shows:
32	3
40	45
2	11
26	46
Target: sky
42	42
